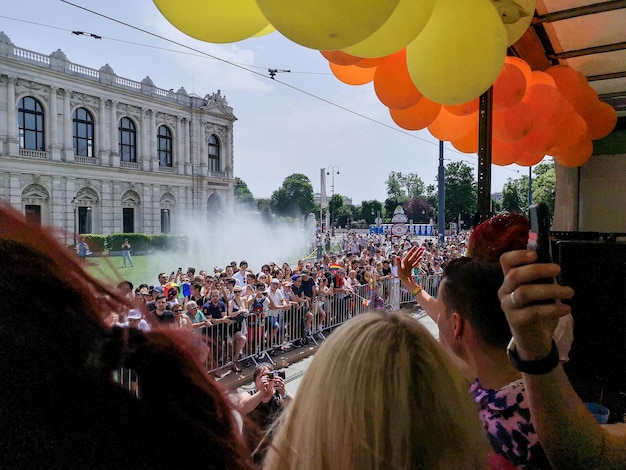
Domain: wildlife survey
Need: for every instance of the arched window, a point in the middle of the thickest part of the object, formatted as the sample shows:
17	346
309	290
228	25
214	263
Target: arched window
31	124
128	140
83	132
164	143
214	153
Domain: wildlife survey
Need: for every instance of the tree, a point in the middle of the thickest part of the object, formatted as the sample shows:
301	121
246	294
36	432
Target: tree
461	192
369	211
334	205
544	185
403	187
294	198
390	206
242	194
513	199
418	209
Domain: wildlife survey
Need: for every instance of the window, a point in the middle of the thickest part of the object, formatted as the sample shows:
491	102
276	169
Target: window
128	220
165	221
31	124
128	140
164	143
83	132
33	213
84	219
214	153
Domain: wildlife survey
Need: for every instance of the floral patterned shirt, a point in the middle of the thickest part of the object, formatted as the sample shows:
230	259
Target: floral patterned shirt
506	419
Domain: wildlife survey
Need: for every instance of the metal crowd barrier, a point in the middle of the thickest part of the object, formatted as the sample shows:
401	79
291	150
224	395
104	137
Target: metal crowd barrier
274	331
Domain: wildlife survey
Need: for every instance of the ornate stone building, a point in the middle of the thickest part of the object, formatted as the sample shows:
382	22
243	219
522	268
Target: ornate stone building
86	149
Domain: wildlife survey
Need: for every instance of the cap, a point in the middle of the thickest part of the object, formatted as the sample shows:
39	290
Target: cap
304	272
286	283
158	289
218	269
275	281
144	291
294	277
134	314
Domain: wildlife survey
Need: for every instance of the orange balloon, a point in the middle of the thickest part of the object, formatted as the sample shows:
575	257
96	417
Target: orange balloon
565	76
448	126
340	57
603	121
569	126
513	123
416	117
463	109
392	82
586	103
522	65
504	153
529	159
542	78
467	143
353	75
539	140
367	63
509	87
543	100
576	155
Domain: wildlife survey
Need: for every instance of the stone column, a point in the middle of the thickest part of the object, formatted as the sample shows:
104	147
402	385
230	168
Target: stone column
68	145
102	138
115	151
12	132
55	147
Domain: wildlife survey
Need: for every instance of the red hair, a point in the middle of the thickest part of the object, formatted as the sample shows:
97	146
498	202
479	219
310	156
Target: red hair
497	235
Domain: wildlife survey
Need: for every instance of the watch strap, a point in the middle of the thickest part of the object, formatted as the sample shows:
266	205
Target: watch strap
535	367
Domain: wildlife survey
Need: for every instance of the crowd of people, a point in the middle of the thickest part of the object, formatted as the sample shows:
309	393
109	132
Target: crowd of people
379	393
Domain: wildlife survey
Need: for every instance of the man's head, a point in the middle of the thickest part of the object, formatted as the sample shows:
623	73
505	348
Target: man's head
243	265
469	293
275	284
191	307
160	303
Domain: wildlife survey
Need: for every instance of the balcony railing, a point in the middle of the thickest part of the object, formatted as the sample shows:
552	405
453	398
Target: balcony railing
38	154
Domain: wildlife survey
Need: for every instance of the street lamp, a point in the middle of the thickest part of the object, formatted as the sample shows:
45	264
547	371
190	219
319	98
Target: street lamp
335	170
74	203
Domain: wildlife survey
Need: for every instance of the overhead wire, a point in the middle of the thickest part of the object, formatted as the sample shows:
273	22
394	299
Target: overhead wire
246	67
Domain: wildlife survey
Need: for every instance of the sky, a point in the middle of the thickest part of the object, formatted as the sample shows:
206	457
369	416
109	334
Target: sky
301	121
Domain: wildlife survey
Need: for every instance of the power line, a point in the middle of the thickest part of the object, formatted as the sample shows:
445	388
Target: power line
246	67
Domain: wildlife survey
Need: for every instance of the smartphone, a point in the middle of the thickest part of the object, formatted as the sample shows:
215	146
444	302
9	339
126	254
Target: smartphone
539	233
539	238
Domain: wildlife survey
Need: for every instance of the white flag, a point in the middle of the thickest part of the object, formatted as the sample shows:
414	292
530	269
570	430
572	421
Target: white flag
323	197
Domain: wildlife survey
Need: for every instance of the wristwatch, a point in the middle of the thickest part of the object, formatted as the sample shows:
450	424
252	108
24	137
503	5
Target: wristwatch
535	367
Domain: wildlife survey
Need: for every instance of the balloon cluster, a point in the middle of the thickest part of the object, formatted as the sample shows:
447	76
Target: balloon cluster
429	61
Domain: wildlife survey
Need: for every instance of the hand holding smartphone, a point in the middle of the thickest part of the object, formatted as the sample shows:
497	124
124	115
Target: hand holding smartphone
539	238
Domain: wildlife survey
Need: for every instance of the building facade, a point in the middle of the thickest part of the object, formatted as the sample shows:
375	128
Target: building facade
91	152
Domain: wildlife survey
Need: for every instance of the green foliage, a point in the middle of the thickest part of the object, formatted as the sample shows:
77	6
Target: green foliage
461	191
145	243
403	187
515	191
368	211
544	185
514	195
390	207
242	194
294	198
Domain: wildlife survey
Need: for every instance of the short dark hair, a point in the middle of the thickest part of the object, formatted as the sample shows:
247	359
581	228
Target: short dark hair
471	289
260	366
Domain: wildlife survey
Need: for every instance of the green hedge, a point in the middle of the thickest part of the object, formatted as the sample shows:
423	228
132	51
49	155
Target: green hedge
139	242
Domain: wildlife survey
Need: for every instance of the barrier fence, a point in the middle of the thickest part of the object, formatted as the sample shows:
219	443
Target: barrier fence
270	332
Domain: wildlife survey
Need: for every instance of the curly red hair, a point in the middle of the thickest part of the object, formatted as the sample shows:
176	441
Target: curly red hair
497	235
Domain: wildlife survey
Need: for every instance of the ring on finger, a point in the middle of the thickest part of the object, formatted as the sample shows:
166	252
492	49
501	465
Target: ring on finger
513	298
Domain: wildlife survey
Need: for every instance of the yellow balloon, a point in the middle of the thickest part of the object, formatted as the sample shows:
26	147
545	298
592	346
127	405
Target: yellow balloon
516	16
327	24
219	21
459	53
404	24
265	31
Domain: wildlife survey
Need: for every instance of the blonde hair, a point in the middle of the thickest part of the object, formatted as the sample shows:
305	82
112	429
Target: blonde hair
381	393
